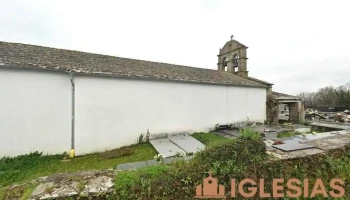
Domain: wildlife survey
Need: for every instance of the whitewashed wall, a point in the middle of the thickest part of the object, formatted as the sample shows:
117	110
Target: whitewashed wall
111	113
34	112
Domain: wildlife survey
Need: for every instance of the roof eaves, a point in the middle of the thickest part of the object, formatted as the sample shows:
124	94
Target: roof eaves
128	76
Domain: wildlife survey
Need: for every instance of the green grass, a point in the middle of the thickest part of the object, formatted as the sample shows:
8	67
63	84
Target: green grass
3	192
291	133
210	138
25	168
287	134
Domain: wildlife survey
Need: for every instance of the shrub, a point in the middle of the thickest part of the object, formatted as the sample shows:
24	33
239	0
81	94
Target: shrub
127	180
242	158
178	181
249	133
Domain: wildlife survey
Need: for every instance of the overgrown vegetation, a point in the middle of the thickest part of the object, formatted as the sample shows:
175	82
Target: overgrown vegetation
244	157
288	134
294	133
27	167
210	139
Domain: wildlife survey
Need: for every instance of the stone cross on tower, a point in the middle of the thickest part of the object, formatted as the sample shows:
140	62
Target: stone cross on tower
231	37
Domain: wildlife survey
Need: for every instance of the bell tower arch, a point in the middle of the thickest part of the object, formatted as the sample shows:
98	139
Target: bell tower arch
233	58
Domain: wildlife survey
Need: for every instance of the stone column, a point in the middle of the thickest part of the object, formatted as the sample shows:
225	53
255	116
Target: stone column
294	112
302	114
230	66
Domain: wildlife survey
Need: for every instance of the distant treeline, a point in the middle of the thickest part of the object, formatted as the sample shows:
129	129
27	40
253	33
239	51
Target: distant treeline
336	97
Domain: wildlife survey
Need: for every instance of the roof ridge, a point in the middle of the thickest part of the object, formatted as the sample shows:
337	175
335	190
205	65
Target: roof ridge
112	56
20	55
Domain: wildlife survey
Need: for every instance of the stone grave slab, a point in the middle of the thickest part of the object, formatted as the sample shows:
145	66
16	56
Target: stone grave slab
290	139
167	160
225	135
292	146
270	135
186	142
340	132
316	136
234	133
303	130
166	147
152	162
130	166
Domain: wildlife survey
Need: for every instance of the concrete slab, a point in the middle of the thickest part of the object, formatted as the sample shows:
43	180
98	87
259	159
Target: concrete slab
186	142
152	162
130	166
166	147
225	135
328	125
303	130
292	146
316	136
340	132
270	135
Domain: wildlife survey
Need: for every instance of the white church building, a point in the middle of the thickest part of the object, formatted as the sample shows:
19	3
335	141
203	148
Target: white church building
52	100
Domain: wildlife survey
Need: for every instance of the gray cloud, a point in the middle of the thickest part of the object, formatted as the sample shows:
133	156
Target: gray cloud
297	45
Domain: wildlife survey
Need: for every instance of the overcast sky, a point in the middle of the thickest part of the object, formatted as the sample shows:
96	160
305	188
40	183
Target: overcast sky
298	45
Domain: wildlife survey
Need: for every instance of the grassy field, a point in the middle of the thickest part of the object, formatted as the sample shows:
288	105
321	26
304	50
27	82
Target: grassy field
27	167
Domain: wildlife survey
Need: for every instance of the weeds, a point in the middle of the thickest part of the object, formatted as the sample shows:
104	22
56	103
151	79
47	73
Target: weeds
249	133
27	167
209	138
244	157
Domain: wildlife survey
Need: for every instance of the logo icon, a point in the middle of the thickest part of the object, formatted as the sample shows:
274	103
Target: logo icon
210	188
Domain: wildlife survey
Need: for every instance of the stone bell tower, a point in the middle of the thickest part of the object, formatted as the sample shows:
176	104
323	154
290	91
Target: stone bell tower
233	58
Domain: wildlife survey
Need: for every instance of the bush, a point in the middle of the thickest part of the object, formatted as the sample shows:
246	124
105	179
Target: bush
249	133
242	158
178	181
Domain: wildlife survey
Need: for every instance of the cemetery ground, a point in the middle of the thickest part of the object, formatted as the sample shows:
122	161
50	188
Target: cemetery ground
243	157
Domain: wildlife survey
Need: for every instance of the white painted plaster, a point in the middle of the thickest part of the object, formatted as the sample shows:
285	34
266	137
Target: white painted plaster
35	110
111	113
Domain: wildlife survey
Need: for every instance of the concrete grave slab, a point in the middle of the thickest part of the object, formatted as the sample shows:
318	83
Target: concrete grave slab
168	160
225	135
270	135
235	133
166	147
316	136
130	166
340	132
186	142
125	166
303	130
152	162
292	146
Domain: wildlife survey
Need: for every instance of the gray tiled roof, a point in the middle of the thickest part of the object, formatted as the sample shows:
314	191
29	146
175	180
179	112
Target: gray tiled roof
259	81
16	55
277	95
